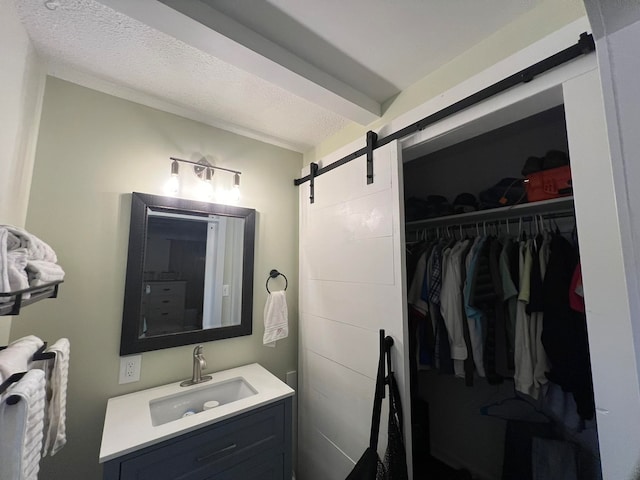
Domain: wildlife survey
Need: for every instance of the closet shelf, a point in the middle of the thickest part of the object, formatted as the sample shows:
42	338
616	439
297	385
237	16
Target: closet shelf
544	207
17	300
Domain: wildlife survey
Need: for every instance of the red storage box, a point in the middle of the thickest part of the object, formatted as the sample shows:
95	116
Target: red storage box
548	184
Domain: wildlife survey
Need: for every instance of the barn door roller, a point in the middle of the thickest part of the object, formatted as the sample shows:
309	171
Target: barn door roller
372	139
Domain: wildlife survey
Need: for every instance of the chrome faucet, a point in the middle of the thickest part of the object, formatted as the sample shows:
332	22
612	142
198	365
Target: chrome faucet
199	364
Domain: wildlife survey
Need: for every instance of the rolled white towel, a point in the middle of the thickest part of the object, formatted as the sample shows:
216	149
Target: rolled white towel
36	248
17	264
55	430
13	242
22	427
17	356
41	272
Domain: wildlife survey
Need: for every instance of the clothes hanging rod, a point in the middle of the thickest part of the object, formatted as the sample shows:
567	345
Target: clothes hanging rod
495	222
584	46
553	208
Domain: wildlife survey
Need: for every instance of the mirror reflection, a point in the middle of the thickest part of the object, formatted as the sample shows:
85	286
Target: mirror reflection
189	273
192	273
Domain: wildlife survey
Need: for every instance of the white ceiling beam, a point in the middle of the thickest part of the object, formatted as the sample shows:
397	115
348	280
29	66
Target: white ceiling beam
233	43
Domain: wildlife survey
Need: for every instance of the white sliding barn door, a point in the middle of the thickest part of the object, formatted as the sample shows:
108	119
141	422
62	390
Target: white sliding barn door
351	285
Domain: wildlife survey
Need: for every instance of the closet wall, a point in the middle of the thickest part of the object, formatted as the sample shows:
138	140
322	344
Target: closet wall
460	435
600	218
478	163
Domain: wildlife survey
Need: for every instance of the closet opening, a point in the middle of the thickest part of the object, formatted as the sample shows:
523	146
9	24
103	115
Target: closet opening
499	361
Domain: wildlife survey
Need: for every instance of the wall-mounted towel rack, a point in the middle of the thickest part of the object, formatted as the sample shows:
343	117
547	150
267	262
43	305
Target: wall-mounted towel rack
274	274
16	377
17	299
40	354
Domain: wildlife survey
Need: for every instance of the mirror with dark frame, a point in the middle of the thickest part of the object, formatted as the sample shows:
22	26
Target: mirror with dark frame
189	273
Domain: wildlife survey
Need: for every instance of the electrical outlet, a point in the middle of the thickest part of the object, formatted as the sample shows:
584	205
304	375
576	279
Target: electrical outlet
225	290
130	368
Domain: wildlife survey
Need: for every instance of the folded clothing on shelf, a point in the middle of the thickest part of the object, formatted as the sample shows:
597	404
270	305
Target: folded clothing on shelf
465	203
549	184
434	206
508	191
547	177
552	159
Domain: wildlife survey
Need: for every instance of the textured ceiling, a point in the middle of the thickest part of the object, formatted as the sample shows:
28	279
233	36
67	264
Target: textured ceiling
289	72
90	37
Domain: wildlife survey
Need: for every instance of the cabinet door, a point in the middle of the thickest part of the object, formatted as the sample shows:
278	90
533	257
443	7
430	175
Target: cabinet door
212	451
266	466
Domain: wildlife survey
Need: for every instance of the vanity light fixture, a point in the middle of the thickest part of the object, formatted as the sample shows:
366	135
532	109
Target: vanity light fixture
204	170
173	184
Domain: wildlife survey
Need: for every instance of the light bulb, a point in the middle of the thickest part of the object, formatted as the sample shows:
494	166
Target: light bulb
234	195
172	186
205	190
235	191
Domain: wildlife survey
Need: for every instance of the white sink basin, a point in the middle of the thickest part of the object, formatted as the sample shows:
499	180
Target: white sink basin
147	417
174	407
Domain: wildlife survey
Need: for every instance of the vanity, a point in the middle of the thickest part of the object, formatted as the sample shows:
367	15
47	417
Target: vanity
245	431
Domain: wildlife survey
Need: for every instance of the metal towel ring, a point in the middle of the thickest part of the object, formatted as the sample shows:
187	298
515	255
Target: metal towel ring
273	274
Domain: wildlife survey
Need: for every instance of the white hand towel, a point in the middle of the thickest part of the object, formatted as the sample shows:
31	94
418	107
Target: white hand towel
276	321
17	356
42	272
55	424
21	425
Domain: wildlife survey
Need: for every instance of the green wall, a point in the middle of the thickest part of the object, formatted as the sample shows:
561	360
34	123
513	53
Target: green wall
93	150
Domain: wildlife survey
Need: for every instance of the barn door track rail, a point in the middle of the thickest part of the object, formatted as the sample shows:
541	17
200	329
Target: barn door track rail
585	45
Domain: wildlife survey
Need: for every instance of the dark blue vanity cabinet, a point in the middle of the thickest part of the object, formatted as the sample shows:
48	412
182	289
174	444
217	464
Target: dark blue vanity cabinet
251	446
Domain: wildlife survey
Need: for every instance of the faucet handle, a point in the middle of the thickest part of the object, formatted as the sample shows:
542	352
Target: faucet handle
197	350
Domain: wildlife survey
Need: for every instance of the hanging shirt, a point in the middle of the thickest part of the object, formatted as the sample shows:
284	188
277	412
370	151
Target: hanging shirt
435	281
510	298
451	300
474	316
414	296
523	354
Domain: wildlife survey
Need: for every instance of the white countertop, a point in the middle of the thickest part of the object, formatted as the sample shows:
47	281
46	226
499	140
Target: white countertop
127	424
